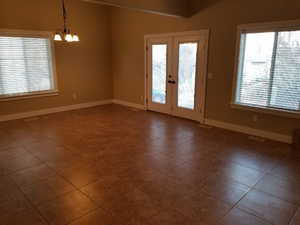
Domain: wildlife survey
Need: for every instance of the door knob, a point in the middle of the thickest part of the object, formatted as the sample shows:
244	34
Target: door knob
172	82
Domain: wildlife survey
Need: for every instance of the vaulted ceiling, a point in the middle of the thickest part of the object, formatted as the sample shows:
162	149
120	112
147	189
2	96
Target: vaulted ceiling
181	8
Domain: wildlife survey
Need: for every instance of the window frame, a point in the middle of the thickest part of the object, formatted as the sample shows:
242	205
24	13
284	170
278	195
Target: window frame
34	34
290	25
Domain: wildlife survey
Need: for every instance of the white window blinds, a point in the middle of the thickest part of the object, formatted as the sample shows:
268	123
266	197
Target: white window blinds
25	66
269	70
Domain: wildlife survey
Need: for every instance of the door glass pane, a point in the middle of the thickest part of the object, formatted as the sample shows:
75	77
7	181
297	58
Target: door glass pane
159	73
187	75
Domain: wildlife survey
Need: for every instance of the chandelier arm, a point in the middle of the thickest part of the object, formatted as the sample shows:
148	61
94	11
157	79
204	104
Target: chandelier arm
66	34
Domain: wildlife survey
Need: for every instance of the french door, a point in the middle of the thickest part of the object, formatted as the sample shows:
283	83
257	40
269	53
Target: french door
176	69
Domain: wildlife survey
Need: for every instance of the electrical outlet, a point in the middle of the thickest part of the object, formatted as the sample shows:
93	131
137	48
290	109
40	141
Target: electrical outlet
74	95
255	118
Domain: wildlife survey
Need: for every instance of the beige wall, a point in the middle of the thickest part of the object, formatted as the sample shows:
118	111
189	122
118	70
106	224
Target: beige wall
221	17
84	68
194	6
168	7
89	70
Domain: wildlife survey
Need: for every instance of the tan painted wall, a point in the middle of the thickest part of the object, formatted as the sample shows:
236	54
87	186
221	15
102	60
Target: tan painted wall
168	7
84	68
194	6
221	17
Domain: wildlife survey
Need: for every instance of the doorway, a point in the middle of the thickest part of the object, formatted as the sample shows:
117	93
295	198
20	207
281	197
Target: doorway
176	73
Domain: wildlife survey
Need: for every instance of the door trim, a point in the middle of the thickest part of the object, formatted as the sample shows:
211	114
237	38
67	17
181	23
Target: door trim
203	32
185	33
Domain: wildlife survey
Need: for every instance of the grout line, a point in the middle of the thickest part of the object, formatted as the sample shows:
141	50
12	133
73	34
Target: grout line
83	193
56	172
32	204
275	196
294	216
68	192
264	173
235	205
252	214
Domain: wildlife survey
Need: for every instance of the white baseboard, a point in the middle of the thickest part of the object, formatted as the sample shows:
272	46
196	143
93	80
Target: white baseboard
53	110
214	123
129	104
228	126
250	131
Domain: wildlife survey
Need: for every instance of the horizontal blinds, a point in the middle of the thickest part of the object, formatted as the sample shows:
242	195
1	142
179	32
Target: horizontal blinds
285	92
269	70
25	65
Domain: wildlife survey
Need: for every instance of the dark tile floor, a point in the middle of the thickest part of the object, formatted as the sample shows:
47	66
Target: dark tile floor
112	165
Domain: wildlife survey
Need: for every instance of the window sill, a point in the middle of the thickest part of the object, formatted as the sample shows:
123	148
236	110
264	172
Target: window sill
276	112
28	96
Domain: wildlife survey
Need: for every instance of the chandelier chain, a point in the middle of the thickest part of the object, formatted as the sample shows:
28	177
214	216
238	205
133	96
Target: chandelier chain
64	15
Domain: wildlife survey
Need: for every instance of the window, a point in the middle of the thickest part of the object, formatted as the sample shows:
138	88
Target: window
268	68
26	64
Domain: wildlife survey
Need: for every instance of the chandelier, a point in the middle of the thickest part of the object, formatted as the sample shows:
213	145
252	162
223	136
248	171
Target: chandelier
65	34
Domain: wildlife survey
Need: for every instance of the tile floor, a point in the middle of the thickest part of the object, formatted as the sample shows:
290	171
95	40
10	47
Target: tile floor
111	165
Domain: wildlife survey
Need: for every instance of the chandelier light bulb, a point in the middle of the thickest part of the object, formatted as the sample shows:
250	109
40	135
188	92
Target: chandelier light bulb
76	38
69	38
57	37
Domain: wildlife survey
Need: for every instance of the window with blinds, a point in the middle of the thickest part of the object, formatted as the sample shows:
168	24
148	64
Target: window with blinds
268	73
25	66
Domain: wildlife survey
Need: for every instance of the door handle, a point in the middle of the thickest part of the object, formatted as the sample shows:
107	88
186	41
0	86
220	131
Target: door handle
172	82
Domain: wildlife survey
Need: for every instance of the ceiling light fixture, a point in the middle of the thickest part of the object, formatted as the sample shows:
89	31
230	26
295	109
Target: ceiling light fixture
65	34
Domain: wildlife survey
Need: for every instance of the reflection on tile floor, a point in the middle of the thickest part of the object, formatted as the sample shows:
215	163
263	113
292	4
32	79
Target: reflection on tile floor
111	165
